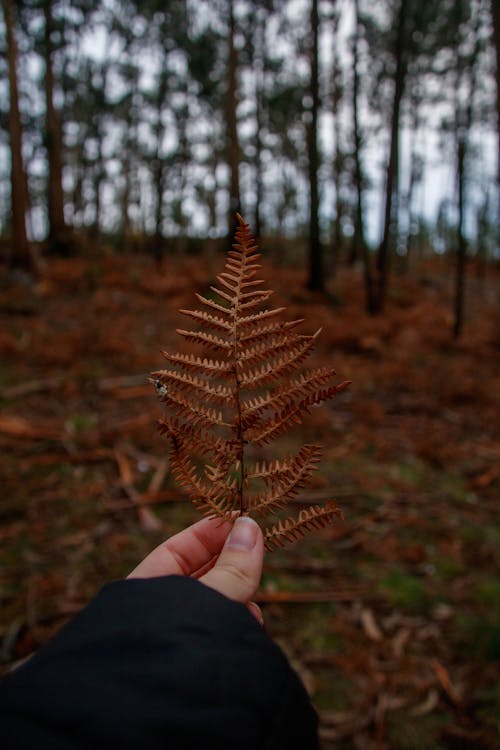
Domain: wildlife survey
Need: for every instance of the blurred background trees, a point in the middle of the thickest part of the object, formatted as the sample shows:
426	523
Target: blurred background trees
344	124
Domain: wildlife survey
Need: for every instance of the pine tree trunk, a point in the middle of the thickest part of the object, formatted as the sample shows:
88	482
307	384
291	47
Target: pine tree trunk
20	255
359	230
495	16
53	138
338	158
98	180
463	123
415	177
392	179
316	277
232	127
159	169
461	242
259	67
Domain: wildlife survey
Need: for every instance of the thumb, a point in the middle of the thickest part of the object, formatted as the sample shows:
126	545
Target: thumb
238	569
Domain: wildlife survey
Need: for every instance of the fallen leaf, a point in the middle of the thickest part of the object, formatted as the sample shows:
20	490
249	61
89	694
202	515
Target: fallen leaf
369	624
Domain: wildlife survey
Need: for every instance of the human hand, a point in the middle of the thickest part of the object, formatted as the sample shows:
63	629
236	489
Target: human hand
225	556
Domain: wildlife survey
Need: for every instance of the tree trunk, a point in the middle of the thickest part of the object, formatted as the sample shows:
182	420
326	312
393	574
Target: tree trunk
495	16
338	158
463	123
461	243
232	126
392	179
316	277
98	178
159	168
359	230
415	176
53	139
20	255
259	68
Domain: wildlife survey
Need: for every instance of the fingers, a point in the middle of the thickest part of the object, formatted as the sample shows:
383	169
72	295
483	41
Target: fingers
238	569
256	611
189	553
226	557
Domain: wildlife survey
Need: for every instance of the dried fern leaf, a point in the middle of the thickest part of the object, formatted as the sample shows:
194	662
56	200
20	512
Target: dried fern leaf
205	339
250	395
271	469
293	529
259	333
207	319
286	484
190	362
273	371
201	442
220	393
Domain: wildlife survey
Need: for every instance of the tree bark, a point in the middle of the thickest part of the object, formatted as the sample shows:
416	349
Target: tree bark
159	167
259	68
463	123
495	17
359	231
461	242
53	139
338	159
20	255
232	126
392	179
316	277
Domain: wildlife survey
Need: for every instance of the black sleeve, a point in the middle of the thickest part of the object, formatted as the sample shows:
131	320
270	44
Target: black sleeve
157	663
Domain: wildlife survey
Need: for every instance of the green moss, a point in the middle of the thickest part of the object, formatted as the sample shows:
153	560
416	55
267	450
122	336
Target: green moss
447	568
405	591
80	422
410	471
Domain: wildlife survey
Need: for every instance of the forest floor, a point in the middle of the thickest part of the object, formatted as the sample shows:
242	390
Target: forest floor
392	617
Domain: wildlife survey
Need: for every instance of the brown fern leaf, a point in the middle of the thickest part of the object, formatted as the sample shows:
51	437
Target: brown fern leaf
293	529
250	394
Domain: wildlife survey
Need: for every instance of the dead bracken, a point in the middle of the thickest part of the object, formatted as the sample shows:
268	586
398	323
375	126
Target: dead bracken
247	393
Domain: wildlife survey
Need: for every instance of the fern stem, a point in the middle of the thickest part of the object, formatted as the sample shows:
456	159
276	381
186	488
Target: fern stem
242	502
241	447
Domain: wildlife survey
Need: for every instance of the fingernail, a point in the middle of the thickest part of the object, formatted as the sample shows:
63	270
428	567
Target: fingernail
243	534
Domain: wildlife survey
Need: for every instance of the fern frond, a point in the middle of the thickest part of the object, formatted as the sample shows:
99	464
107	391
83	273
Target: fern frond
264	351
190	362
286	482
207	319
202	495
201	442
205	339
221	293
259	333
253	320
195	385
256	297
288	361
293	529
268	430
271	469
301	387
213	304
192	410
209	412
